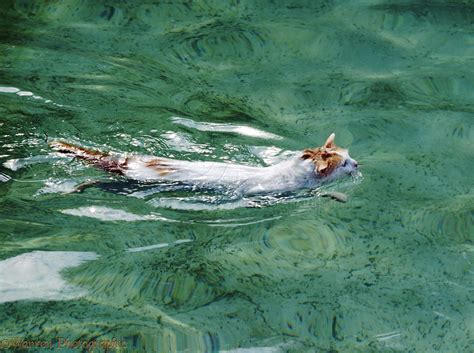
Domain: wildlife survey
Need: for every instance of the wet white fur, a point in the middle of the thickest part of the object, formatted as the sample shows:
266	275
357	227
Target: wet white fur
292	174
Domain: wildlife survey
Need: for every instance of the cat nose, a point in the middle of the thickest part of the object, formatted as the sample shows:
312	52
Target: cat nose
356	165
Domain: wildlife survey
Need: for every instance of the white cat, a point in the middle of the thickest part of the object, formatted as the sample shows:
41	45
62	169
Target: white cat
310	169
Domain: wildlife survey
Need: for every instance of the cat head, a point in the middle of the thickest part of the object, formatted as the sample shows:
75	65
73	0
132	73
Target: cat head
331	161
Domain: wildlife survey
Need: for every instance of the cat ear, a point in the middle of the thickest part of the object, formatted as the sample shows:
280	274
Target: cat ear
330	141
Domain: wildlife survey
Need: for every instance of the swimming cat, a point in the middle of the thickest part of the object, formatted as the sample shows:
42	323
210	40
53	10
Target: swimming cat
308	170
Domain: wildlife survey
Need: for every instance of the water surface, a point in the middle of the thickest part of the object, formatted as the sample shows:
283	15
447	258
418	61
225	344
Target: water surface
245	82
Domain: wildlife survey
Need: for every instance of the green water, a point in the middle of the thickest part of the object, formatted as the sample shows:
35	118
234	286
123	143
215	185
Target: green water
388	271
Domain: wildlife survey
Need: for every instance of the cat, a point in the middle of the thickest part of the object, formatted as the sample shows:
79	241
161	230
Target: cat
308	170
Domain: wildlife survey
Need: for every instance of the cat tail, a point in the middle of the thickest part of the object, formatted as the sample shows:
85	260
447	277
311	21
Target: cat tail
99	159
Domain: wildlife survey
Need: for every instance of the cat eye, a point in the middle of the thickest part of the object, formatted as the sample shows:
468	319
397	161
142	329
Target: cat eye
345	163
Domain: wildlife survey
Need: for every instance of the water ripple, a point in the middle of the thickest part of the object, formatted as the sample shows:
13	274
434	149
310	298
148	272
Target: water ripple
216	40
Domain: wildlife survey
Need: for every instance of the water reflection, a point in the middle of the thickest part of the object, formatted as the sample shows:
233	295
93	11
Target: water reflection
236	129
36	275
111	214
